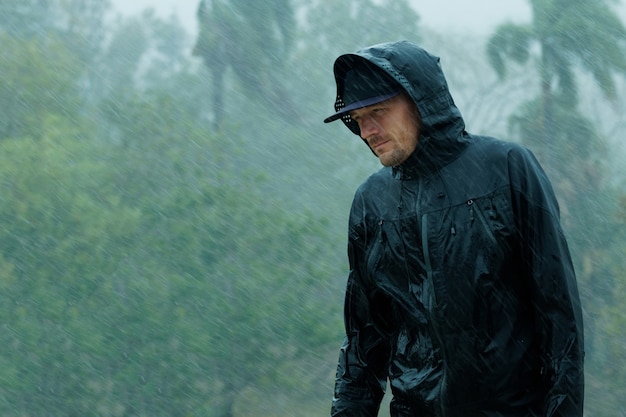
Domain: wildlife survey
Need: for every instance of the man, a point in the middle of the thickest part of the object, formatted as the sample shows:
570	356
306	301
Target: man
461	290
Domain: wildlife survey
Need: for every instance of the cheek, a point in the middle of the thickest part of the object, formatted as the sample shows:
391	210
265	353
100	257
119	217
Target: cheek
409	146
409	137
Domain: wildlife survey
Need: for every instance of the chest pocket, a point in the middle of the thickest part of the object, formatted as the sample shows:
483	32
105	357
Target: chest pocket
481	225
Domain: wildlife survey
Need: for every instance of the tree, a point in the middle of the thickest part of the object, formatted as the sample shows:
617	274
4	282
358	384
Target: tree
239	279
63	234
56	29
252	39
249	288
141	278
566	34
39	79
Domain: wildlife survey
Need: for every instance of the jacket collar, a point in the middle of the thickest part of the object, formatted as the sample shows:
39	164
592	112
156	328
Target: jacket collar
431	155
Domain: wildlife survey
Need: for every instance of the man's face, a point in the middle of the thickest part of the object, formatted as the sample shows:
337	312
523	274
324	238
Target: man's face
390	128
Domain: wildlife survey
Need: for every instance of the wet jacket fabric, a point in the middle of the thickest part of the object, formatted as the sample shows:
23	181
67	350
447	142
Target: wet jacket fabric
461	292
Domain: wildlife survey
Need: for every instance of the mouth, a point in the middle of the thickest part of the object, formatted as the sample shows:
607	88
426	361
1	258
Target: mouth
378	145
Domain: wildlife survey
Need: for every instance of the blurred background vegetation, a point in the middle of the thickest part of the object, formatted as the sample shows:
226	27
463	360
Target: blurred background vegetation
173	211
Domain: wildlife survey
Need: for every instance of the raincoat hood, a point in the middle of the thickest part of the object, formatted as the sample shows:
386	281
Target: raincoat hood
420	75
442	129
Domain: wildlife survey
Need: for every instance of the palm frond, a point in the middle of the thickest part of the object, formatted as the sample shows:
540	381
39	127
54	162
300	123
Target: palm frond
509	41
595	38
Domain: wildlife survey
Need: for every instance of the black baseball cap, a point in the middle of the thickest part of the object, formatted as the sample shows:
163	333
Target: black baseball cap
360	84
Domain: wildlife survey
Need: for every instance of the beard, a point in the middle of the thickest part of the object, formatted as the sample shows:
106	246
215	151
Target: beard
393	157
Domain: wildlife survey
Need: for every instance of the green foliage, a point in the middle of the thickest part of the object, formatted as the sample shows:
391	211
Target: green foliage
143	272
606	373
158	292
565	34
509	41
232	36
582	32
63	234
79	22
38	78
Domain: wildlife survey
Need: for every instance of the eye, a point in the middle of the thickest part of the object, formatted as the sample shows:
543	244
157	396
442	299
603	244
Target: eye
379	111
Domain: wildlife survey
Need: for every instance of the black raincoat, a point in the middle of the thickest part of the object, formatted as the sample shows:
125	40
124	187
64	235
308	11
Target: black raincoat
461	290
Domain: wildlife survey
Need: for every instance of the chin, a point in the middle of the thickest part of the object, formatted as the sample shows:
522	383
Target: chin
392	158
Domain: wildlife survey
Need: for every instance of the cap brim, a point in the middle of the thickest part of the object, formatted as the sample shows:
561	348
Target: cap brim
359	105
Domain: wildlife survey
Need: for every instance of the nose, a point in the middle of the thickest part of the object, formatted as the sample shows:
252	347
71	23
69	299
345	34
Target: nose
368	127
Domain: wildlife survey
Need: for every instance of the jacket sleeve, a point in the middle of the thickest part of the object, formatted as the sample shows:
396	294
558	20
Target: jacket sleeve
554	293
361	376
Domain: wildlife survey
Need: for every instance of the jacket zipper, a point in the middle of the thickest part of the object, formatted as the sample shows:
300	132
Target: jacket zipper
432	302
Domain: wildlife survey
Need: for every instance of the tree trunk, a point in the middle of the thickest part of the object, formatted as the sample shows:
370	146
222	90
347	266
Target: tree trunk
227	402
218	95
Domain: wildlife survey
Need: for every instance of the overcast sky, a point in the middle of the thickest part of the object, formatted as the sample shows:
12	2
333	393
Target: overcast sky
479	16
476	16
